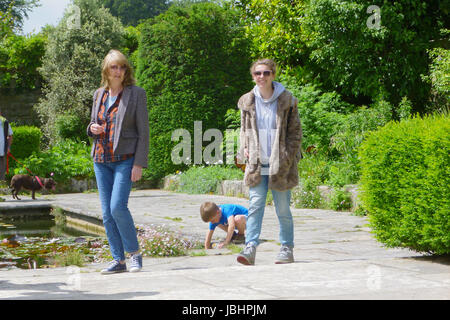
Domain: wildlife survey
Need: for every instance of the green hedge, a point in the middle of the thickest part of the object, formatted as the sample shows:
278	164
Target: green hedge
26	140
405	183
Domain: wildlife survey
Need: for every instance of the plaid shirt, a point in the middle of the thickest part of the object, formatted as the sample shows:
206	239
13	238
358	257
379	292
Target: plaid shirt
104	144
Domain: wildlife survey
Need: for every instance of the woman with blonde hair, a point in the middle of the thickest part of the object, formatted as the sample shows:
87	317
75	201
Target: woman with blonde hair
120	129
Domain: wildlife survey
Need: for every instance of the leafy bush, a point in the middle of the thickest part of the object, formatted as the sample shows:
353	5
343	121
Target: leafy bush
67	159
350	135
342	173
405	183
69	126
26	140
308	194
319	114
340	200
198	180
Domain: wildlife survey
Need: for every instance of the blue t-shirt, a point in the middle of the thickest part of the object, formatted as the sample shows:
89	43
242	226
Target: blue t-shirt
228	210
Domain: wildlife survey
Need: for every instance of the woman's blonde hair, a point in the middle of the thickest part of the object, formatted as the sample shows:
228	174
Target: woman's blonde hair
268	62
115	56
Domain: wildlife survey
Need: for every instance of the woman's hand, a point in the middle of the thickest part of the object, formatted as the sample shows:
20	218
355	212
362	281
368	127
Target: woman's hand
97	129
136	173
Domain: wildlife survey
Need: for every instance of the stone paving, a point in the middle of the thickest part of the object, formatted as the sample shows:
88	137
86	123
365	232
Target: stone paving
336	257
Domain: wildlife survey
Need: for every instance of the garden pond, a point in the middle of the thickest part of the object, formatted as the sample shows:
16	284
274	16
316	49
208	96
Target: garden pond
30	242
45	241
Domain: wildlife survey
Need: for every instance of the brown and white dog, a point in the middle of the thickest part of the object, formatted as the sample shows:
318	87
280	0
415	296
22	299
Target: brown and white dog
34	184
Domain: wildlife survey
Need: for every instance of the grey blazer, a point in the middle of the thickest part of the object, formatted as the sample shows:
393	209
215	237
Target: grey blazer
132	128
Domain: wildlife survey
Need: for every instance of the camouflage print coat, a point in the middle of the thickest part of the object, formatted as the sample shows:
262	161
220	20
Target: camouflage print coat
283	172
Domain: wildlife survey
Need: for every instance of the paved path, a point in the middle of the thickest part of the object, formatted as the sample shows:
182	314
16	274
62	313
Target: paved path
336	257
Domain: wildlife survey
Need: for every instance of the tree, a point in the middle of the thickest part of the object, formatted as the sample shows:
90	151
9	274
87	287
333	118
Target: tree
194	64
274	27
439	77
72	67
131	12
20	57
348	47
18	9
362	58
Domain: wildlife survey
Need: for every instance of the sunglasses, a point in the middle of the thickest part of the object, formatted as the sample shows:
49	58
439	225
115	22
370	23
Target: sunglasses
116	67
265	73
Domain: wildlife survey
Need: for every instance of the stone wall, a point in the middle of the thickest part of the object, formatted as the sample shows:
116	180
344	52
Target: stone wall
17	107
236	188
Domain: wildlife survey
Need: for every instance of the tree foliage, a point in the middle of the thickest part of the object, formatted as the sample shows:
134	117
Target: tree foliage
439	76
131	12
274	27
72	68
6	22
20	57
336	43
18	10
193	63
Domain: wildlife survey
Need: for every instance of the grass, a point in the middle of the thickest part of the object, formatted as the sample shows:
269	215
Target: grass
176	219
234	248
198	253
70	258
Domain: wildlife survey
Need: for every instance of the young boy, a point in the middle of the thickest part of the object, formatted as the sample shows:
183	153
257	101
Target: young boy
227	216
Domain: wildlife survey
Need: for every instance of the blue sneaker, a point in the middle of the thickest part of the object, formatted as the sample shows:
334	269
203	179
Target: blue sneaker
114	267
136	262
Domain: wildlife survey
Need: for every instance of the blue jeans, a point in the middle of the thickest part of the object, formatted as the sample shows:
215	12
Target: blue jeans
258	195
114	186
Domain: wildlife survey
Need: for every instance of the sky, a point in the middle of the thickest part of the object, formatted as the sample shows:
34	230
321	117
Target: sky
50	12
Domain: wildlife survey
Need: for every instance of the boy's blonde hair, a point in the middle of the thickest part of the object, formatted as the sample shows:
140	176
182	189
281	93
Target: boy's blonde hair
208	210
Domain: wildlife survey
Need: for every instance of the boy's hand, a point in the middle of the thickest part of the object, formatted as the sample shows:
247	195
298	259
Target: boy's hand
208	239
221	245
209	245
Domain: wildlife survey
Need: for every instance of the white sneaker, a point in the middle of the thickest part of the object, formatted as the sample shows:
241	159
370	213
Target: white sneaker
136	262
285	255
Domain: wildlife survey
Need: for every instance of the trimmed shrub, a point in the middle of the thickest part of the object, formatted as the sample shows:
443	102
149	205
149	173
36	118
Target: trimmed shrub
26	140
405	183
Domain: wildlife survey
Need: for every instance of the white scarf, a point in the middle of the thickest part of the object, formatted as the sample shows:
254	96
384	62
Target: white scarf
266	116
